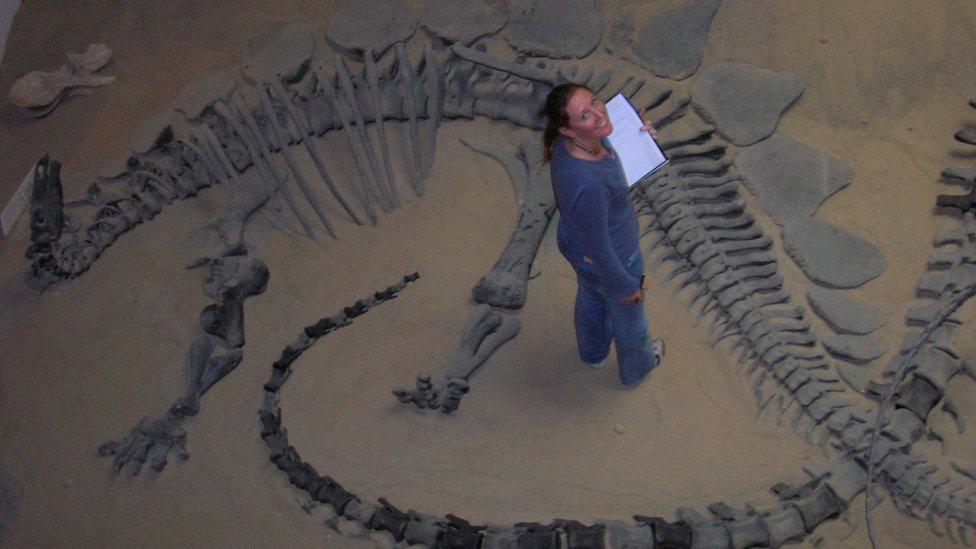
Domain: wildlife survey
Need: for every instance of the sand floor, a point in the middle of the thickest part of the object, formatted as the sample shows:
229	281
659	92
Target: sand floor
540	436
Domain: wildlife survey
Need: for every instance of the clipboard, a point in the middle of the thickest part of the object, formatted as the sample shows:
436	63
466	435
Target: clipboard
639	153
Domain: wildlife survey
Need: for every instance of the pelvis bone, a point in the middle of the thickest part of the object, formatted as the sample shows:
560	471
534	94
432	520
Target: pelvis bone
41	92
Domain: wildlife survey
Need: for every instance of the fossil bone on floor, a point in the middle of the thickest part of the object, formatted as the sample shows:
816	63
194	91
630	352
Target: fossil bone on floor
80	368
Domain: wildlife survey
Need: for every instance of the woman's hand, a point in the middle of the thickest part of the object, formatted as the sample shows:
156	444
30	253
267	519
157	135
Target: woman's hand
635	297
649	128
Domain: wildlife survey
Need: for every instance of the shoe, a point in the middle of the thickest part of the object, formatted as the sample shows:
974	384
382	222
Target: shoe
659	348
638	381
598	365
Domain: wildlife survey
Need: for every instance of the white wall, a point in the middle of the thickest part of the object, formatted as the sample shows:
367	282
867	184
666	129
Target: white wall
8	8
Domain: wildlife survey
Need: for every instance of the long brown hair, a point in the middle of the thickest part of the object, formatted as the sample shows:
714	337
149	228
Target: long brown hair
556	117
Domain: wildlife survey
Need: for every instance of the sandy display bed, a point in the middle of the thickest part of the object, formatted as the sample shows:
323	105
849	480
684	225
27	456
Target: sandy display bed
540	436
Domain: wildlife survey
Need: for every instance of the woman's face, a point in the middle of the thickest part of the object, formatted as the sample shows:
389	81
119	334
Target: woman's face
588	118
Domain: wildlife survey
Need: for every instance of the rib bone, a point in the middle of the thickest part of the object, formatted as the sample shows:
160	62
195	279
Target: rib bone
290	160
302	124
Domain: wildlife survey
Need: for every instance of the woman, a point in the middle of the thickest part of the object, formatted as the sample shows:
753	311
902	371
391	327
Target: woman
598	233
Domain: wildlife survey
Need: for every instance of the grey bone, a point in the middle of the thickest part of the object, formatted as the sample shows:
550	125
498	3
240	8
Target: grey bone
376	106
192	143
599	81
610	92
754	303
459	96
228	228
672	214
909	483
936	366
231	280
846	480
523	71
405	71
150	440
813	391
900	432
679	104
268	175
211	139
784	524
356	147
722	263
264	147
962	175
685	199
967	136
783	340
690	194
722	281
747	532
824	406
152	184
223	111
507	282
575	75
751	318
225	319
153	441
955	279
696	236
233	146
621	534
485	331
766	326
776	354
677	184
313	151
498	537
712	534
187	149
928	313
290	160
635	85
204	372
434	88
702	167
423	529
709	250
210	152
965	253
658	98
942	337
704	150
506	97
698	135
298	120
348	92
954	235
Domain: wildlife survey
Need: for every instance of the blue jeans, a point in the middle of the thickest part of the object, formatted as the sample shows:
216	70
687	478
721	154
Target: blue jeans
600	318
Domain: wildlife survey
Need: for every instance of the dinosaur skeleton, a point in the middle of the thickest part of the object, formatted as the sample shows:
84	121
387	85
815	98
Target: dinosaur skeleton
222	126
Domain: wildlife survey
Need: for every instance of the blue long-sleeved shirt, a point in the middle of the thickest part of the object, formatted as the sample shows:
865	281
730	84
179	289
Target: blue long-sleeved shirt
596	217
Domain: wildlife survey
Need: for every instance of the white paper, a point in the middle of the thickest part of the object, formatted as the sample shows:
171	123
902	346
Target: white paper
638	152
